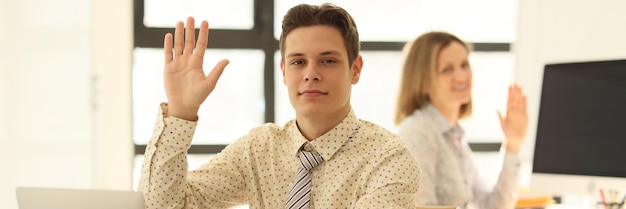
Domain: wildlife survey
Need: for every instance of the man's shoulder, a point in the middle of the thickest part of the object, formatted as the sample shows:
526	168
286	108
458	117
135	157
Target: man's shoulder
267	131
262	136
267	128
371	126
377	133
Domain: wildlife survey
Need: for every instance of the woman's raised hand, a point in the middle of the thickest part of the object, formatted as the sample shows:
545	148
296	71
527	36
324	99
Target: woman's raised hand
515	123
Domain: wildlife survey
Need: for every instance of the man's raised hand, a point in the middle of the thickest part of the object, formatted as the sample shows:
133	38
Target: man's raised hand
186	85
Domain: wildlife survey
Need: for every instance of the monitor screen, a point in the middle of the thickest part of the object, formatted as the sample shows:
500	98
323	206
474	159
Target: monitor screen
581	127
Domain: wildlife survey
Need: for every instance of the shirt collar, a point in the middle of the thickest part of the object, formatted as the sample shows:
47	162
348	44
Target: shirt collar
441	124
329	143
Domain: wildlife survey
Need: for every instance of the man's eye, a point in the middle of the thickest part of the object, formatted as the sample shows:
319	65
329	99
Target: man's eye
328	61
297	62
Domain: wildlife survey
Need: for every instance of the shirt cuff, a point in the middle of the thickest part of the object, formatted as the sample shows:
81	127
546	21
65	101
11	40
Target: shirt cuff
174	132
512	161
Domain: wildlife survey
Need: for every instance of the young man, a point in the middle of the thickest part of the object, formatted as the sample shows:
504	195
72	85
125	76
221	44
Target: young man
359	164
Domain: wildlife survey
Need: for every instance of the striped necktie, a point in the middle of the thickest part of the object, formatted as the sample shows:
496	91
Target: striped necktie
299	195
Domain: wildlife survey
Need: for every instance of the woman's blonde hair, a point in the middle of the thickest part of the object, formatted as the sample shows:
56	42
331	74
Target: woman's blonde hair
418	73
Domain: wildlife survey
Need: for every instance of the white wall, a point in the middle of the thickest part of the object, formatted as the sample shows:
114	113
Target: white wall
4	130
50	134
111	32
563	31
48	111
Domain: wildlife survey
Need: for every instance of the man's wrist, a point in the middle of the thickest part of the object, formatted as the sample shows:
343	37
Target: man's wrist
189	114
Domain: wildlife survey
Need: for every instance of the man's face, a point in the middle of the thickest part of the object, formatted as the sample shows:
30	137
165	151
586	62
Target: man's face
317	73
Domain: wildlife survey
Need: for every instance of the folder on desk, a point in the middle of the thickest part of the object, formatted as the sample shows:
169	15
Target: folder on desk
533	202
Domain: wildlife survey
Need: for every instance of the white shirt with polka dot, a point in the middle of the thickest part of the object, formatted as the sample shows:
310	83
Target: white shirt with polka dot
372	170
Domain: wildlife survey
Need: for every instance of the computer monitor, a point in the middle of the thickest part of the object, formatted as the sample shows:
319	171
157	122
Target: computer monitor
581	132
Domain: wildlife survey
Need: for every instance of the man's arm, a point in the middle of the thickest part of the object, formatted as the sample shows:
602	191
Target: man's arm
165	181
164	172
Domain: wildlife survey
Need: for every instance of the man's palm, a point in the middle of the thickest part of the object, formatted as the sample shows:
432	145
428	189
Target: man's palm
186	85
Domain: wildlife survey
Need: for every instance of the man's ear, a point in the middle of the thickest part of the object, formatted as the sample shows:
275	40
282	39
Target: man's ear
282	70
356	69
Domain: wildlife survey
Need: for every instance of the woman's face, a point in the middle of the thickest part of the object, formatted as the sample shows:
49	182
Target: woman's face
453	79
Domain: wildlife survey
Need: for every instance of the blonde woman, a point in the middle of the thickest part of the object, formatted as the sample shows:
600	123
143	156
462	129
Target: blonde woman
434	94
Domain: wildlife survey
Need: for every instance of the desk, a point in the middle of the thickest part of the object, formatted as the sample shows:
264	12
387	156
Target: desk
562	206
566	202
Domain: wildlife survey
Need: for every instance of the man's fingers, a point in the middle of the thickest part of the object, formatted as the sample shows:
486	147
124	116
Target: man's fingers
203	38
167	48
178	39
190	36
215	74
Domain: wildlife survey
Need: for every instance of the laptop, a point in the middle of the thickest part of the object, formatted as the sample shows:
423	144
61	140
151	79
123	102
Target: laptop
65	198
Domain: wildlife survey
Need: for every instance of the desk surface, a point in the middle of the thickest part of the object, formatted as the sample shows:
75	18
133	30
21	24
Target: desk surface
559	206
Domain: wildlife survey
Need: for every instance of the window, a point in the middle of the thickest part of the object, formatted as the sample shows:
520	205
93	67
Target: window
165	14
247	31
482	21
239	88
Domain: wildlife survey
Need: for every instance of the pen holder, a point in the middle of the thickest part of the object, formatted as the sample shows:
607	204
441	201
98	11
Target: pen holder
610	205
